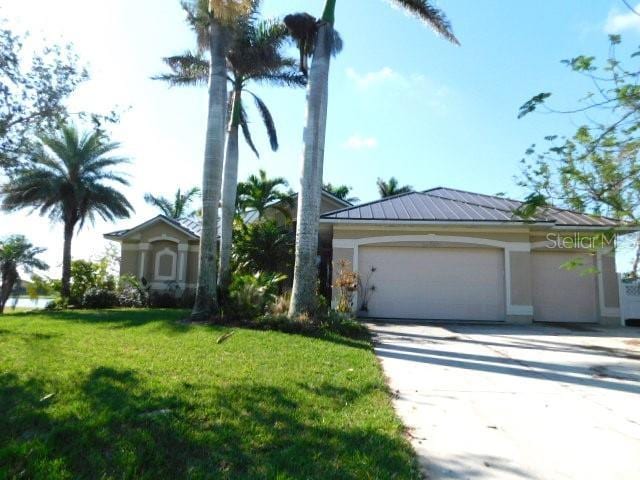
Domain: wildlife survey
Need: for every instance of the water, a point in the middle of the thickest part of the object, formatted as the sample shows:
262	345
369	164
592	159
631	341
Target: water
26	302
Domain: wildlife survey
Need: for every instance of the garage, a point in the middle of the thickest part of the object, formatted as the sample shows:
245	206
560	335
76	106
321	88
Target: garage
561	295
434	283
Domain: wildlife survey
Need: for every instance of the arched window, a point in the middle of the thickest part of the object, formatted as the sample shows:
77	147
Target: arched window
165	264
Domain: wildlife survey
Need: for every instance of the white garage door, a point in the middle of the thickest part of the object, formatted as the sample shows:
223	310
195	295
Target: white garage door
435	283
561	295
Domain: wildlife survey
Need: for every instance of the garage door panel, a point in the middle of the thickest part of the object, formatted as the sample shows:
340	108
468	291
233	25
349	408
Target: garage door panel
435	283
561	295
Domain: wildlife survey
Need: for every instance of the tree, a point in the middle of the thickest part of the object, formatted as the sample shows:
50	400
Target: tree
16	252
213	21
254	55
317	39
596	170
34	87
340	191
178	208
260	192
263	246
391	188
68	178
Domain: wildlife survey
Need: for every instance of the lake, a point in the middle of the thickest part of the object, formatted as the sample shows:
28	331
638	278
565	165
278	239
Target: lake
26	302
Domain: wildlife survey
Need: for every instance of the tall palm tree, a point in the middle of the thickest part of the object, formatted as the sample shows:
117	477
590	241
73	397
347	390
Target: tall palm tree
317	39
16	252
391	187
340	191
260	192
67	179
213	20
253	56
179	207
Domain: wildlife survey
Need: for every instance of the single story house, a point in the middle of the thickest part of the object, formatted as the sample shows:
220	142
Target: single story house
441	254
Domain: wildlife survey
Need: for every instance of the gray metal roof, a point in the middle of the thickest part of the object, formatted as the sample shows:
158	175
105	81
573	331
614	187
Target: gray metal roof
451	205
192	227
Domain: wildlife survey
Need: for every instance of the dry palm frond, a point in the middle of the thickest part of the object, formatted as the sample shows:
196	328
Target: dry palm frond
227	10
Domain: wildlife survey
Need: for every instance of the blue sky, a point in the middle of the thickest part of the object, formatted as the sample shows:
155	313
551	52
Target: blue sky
403	102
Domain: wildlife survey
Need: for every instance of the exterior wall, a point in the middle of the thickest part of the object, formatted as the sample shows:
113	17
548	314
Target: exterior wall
520	263
140	250
129	259
610	281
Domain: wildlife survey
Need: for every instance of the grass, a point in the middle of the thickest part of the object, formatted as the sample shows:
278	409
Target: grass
136	394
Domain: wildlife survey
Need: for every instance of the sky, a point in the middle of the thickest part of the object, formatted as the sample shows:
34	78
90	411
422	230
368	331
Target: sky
403	102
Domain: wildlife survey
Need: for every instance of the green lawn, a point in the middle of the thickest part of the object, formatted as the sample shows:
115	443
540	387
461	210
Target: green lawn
135	394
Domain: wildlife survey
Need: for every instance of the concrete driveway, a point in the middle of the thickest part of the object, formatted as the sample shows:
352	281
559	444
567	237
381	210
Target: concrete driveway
507	402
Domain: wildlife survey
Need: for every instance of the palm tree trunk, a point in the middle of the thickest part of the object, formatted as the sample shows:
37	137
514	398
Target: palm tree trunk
65	288
206	303
303	295
229	192
9	276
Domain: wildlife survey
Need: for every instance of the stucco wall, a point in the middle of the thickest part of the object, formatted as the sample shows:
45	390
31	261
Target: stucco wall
343	232
610	282
520	278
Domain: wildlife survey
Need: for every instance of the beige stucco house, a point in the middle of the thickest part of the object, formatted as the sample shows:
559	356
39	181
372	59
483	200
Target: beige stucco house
441	254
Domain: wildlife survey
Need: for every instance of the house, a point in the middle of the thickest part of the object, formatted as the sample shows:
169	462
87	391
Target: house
441	254
165	251
448	254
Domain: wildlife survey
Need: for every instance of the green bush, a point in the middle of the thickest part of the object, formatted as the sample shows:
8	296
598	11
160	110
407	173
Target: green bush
132	293
86	275
96	297
249	295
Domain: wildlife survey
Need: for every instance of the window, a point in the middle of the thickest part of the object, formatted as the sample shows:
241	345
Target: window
165	264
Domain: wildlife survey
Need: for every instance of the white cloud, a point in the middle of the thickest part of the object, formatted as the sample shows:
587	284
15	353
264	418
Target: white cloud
369	79
618	21
358	142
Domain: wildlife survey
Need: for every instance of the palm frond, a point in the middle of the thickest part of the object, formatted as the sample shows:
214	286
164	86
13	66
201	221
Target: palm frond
267	119
188	69
431	15
246	132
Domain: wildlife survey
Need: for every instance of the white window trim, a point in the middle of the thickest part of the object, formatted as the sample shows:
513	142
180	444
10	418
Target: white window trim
174	261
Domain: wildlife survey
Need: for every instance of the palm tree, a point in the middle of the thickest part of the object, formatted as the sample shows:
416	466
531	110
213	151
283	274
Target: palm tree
317	39
253	56
391	188
176	209
340	191
260	192
65	180
213	20
16	252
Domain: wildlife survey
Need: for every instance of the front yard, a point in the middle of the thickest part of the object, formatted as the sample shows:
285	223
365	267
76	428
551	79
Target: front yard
135	394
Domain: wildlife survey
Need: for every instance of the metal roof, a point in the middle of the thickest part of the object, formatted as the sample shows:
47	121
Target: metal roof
451	205
189	226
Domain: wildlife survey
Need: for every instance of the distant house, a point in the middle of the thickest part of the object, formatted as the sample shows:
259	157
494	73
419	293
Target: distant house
441	254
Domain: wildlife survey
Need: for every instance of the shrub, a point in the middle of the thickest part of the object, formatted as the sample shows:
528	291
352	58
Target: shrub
250	294
97	297
132	293
86	275
280	304
164	299
347	282
57	303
